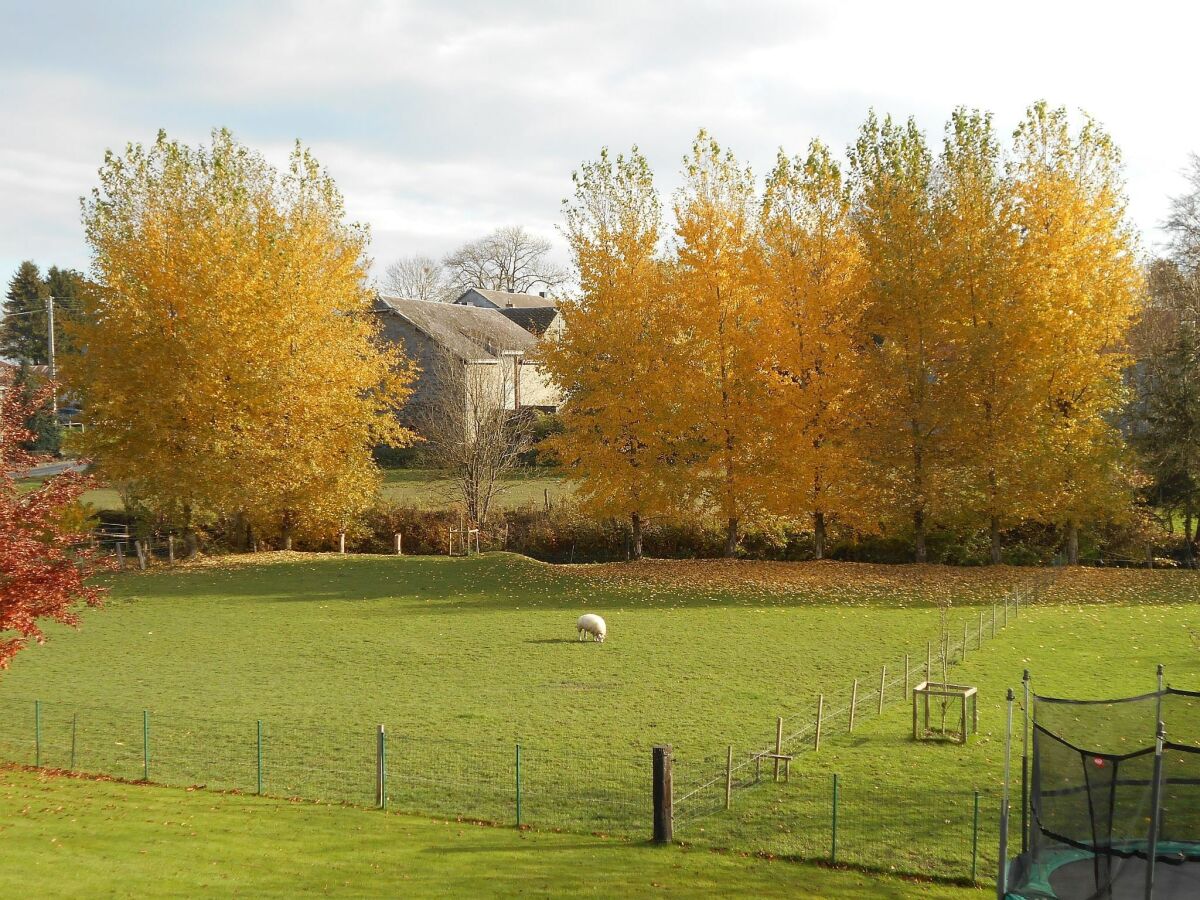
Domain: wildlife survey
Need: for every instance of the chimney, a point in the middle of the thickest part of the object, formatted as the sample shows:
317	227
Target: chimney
508	305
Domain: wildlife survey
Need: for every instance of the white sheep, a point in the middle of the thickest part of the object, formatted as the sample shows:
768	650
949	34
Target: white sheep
592	624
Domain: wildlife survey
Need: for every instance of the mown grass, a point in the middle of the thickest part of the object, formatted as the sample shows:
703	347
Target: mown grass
66	837
461	659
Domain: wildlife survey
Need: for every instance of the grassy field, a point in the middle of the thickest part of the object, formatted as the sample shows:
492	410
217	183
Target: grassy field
421	488
461	659
66	837
425	489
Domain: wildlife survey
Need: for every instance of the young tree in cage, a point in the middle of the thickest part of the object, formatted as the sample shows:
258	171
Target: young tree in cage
911	363
475	434
1077	258
997	330
812	282
724	381
612	361
231	365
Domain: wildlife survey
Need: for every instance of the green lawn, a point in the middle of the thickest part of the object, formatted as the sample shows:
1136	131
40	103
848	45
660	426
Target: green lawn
427	489
462	659
100	498
67	837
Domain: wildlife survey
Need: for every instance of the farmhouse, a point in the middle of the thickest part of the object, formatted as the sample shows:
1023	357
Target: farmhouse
537	314
473	335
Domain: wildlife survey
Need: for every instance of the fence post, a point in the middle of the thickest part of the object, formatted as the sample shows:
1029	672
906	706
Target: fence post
833	847
258	748
145	745
729	777
74	725
380	767
1006	611
518	787
171	549
975	840
778	745
882	685
37	733
820	710
341	542
120	556
399	544
853	702
141	554
663	800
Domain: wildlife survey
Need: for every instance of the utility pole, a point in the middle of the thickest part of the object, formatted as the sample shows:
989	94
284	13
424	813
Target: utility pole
50	353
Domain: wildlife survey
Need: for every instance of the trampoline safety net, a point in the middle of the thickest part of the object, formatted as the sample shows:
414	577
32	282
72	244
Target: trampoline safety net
1100	798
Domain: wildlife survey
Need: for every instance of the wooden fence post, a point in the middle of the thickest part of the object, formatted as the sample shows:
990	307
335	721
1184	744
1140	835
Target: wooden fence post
341	542
141	554
778	745
729	777
882	685
853	702
399	544
171	549
120	555
663	801
820	712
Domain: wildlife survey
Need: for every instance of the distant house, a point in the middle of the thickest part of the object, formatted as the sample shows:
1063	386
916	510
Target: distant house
473	335
536	313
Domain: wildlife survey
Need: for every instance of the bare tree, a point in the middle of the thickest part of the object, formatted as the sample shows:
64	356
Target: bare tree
509	259
474	433
418	278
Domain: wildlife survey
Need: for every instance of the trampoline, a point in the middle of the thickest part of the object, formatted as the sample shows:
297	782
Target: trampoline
1110	799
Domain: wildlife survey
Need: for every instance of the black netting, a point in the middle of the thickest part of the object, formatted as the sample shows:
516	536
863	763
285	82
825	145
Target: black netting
1094	801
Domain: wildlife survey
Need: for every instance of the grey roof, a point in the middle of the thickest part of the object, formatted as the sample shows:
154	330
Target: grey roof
534	319
469	332
505	300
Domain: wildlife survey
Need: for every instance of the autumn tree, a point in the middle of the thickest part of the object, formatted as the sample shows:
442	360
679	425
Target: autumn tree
230	362
998	340
475	435
509	259
1077	259
911	360
44	568
812	281
722	376
418	278
612	360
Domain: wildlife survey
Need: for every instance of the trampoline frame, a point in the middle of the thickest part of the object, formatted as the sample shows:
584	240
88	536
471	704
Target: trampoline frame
1040	873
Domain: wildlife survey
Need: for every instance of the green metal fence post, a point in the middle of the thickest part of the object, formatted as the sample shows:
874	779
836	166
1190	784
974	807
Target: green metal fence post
518	785
259	749
975	840
833	847
145	745
74	726
37	733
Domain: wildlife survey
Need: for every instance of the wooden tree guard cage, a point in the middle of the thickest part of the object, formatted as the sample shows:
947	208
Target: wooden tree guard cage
967	699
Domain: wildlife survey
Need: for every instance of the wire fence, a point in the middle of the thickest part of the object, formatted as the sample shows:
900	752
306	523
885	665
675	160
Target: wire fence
881	823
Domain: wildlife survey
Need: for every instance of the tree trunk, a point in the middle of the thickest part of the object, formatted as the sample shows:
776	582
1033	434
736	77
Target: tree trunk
1072	543
819	534
919	535
635	522
995	533
731	537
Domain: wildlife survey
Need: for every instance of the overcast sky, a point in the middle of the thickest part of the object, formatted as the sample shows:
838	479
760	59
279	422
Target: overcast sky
443	120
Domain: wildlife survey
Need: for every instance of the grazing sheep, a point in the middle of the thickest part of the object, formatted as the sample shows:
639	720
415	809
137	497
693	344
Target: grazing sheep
593	625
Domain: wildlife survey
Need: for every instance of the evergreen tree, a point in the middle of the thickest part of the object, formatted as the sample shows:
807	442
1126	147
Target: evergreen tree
23	332
45	436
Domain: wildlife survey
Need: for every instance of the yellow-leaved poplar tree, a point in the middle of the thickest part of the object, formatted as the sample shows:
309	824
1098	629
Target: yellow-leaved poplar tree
724	381
611	359
229	360
812	284
997	335
1077	257
910	359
